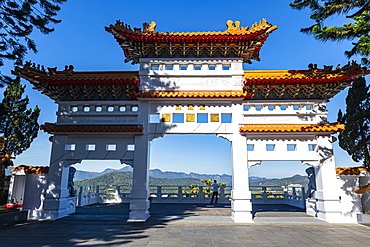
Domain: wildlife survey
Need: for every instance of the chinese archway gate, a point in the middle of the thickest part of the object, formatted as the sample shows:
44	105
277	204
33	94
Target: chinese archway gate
194	83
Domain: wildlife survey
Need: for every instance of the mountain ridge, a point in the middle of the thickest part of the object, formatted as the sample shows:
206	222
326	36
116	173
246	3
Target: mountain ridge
157	173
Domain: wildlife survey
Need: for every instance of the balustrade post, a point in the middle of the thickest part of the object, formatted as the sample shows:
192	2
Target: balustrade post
285	195
303	197
159	192
118	190
118	194
264	194
294	194
97	193
201	194
89	194
80	196
179	193
222	194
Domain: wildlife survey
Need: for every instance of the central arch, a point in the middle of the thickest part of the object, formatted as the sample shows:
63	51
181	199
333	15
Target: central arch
200	153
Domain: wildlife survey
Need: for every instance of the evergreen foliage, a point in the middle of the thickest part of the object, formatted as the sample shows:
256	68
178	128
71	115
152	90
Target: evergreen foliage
18	19
357	30
17	124
355	139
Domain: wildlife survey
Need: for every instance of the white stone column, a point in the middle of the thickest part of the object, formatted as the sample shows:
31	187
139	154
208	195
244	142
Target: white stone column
241	196
55	202
328	205
139	204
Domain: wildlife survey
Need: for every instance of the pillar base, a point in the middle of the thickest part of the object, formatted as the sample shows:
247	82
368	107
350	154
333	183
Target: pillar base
62	208
139	210
333	217
242	217
138	216
241	210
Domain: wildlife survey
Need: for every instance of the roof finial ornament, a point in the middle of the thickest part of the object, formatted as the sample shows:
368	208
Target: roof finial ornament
152	26
237	25
68	69
234	27
230	25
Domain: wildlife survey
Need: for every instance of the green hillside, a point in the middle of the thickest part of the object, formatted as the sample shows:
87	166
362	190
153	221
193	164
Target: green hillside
125	179
296	179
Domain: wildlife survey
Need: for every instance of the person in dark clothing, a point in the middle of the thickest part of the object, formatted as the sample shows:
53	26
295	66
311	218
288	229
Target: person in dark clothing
215	188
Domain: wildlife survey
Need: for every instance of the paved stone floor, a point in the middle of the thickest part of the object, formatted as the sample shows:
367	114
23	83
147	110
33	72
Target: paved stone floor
183	225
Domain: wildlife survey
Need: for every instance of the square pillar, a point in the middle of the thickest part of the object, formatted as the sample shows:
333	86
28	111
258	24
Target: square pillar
328	206
55	201
241	196
139	204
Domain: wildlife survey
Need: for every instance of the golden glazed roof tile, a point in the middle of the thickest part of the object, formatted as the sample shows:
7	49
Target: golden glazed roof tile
236	41
32	169
351	170
312	75
36	74
233	28
260	128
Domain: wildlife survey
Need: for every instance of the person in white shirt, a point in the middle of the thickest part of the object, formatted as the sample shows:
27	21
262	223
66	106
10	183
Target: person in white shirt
215	188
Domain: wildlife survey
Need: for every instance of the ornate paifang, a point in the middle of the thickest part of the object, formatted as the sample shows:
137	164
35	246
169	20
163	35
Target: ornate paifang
236	41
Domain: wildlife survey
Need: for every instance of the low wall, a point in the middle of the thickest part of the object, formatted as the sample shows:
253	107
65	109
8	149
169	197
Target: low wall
177	194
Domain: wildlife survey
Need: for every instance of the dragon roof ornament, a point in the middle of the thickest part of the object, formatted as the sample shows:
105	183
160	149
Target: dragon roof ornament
236	41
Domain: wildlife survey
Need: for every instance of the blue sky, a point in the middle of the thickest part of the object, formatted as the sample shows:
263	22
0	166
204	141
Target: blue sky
81	40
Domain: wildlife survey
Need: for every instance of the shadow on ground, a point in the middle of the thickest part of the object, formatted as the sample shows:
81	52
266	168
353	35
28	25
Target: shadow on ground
106	225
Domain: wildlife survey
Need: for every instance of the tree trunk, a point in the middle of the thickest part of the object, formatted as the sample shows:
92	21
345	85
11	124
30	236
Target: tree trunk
3	192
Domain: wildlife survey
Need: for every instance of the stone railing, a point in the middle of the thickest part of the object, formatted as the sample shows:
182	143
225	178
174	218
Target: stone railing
294	196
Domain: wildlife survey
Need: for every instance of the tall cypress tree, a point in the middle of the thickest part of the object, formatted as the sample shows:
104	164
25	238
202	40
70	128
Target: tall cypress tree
17	124
355	139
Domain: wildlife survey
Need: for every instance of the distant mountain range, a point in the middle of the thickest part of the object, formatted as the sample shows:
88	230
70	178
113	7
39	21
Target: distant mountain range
124	179
158	177
157	173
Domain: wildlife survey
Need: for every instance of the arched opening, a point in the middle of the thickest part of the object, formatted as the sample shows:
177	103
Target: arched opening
196	153
278	189
106	181
189	159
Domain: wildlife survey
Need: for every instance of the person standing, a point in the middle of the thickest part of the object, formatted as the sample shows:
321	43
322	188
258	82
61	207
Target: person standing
215	188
